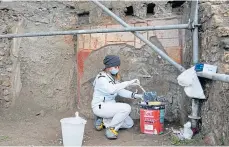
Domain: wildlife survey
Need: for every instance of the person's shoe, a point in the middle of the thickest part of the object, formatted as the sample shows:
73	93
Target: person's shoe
98	123
111	133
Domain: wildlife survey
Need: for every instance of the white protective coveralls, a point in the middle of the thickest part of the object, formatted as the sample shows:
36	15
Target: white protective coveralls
114	114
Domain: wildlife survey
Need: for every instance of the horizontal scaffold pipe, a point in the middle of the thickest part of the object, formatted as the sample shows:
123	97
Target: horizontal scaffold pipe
214	76
74	32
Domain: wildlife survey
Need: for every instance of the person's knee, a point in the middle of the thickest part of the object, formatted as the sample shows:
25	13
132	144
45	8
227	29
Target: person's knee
96	112
127	108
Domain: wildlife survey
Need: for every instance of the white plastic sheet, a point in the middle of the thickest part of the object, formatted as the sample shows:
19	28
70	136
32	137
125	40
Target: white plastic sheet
184	133
187	131
192	87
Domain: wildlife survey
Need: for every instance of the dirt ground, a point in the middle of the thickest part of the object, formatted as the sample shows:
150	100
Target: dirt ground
29	124
45	130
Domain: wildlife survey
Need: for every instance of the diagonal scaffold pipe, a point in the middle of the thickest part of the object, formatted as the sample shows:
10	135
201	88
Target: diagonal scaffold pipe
141	37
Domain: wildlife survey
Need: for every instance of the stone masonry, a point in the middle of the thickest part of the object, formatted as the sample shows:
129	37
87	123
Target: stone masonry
10	84
45	66
214	36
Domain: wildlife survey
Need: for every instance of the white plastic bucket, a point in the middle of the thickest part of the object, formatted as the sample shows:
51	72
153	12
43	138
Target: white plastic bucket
73	130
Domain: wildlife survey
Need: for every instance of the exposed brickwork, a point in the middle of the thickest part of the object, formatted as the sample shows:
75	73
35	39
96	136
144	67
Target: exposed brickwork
170	39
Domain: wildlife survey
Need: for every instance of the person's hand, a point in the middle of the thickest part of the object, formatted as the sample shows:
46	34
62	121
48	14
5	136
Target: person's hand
138	96
135	82
135	95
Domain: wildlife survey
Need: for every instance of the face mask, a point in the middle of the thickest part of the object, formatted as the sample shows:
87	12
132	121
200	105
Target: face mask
114	71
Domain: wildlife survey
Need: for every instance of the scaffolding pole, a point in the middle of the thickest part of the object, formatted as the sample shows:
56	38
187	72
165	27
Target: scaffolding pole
140	36
74	32
195	102
195	34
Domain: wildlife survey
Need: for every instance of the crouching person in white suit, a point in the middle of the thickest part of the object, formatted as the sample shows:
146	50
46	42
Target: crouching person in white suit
108	112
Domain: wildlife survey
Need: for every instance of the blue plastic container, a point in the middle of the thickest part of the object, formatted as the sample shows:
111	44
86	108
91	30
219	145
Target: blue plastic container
199	67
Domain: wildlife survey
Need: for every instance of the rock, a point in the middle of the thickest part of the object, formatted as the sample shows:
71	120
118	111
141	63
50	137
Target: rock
37	23
151	61
140	9
222	31
226	69
60	141
6	98
206	10
226	58
2	53
209	139
6	92
9	69
9	62
95	15
1	58
7	105
41	113
224	44
6	83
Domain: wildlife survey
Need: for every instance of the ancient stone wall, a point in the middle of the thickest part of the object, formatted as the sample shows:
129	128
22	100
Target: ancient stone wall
47	64
10	84
214	37
88	12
